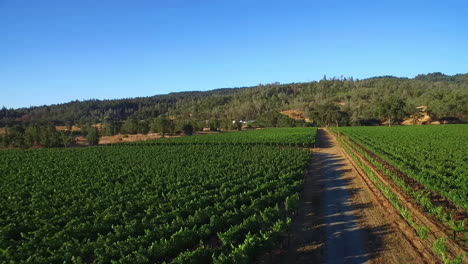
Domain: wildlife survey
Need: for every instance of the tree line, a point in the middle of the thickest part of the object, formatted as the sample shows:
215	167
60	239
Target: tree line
342	101
30	136
24	135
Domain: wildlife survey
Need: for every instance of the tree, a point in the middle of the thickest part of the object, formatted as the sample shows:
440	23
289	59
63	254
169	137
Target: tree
16	137
4	141
238	125
162	125
143	127
49	137
130	126
111	128
93	136
268	119
329	114
32	135
446	97
188	129
67	138
214	124
391	109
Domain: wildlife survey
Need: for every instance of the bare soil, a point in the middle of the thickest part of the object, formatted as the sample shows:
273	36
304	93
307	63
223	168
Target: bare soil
140	137
341	220
66	128
129	138
422	118
436	229
296	114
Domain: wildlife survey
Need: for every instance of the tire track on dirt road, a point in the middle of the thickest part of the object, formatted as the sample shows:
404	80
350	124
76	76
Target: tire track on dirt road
339	220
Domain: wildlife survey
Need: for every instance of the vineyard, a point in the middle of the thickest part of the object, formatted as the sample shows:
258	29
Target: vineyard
427	163
301	136
194	200
435	156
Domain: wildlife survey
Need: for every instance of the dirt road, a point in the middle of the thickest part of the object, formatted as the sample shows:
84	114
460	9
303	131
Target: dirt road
344	238
339	220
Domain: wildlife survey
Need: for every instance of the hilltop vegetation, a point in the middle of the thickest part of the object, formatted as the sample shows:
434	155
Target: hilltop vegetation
343	101
445	96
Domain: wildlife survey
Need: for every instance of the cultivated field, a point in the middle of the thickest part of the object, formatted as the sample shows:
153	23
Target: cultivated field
301	136
230	197
425	164
152	203
435	156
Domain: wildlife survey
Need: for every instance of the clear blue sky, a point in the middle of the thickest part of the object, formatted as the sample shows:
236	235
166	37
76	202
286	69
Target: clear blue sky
57	51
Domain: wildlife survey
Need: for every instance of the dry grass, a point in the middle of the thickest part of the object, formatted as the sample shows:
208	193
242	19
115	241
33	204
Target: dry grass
140	137
296	114
129	138
421	118
65	128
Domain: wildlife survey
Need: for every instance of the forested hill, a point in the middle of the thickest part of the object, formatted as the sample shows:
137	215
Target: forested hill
356	102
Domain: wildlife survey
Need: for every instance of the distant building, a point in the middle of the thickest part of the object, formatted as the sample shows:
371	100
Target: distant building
244	122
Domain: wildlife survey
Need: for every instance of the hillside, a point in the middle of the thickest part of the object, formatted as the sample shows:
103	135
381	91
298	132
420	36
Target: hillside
358	100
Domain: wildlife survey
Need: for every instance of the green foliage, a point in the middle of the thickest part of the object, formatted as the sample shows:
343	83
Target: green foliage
435	156
214	124
66	138
32	135
422	231
439	246
48	136
111	128
440	249
237	125
329	114
92	136
392	198
143	127
445	96
392	109
275	119
146	203
130	126
188	129
300	136
292	203
162	125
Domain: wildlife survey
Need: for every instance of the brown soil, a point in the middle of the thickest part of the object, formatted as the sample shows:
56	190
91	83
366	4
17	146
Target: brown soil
2	130
128	138
140	137
436	230
305	243
365	219
65	128
421	118
80	140
384	242
296	114
436	199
